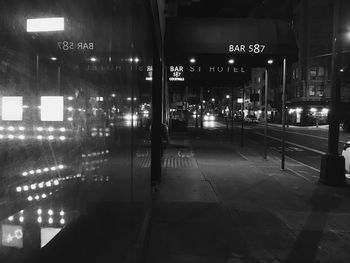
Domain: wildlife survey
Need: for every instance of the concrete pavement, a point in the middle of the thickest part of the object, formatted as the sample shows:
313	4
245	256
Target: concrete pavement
219	202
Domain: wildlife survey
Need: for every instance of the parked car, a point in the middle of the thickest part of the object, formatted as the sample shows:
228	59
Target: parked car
250	119
346	154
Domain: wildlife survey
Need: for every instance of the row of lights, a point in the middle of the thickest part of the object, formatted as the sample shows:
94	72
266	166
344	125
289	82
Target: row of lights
40	219
50	183
39	137
43	170
230	61
95	154
21	128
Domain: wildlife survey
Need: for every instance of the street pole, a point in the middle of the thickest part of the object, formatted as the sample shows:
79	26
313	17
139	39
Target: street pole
232	113
242	127
283	114
265	111
201	99
332	170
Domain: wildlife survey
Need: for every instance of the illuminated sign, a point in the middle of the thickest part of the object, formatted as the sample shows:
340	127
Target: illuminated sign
69	45
217	69
45	24
149	73
176	73
239	48
51	108
12	236
12	108
48	233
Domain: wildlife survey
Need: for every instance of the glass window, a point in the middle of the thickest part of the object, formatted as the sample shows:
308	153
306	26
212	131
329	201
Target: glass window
312	90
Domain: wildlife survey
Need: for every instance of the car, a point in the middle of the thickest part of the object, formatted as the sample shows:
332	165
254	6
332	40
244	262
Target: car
209	117
346	154
250	119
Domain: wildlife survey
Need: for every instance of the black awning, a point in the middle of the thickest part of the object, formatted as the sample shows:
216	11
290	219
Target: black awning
253	38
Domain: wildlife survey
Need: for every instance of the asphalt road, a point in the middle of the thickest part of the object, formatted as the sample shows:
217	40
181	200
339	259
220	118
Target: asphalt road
303	144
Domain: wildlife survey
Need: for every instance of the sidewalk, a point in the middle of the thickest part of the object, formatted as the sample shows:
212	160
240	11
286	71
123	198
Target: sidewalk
221	203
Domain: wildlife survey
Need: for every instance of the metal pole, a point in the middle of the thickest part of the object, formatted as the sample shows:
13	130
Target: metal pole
201	99
37	70
231	113
265	111
242	127
59	79
283	114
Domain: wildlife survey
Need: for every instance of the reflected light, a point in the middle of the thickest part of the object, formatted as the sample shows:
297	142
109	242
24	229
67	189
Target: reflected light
12	108
39	211
45	24
21	219
231	61
62	221
50	220
51	108
40	219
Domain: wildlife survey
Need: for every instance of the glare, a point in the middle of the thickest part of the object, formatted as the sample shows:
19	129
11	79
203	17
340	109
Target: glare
128	98
70	98
46	169
62	138
298	110
93	59
1	128
70	119
62	221
39	137
21	218
12	108
10	136
227	96
53	168
38	171
136	60
11	128
40	219
19	189
212	99
341	70
325	111
53	58
21	128
56	182
61	166
37	197
31	172
50	129
25	174
41	185
10	218
43	195
45	24
40	128
39	211
62	129
61	213
1	136
48	184
313	109
50	212
50	137
51	108
26	188
192	60
50	220
128	117
231	61
22	137
33	186
270	61
30	198
113	95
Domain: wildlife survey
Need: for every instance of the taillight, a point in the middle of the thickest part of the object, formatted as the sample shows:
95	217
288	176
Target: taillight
346	145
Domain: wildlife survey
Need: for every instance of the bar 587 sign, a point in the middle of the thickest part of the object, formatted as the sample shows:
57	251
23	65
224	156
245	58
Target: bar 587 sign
252	48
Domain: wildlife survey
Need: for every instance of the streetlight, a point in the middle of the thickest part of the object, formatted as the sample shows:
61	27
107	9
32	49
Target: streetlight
269	62
332	170
192	60
231	61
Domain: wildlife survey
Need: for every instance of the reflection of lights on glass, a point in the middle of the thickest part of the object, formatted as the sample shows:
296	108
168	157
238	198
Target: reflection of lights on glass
44	196
25	174
51	108
53	58
53	168
31	172
37	197
10	136
50	212
1	128
192	60
40	128
50	137
93	59
113	95
62	138
227	96
137	60
231	61
325	111
18	189
298	110
50	220
21	219
46	169
1	136
39	137
70	108
62	221
70	98
33	186
12	108
61	213
26	188
45	24
270	61
38	171
61	166
50	129
21	128
39	211
40	219
56	182
291	111
48	184
41	184
11	128
62	129
22	137
70	119
30	198
10	218
313	110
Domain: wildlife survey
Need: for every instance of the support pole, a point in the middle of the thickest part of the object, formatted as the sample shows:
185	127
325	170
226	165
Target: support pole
332	170
231	114
265	112
242	115
201	100
283	114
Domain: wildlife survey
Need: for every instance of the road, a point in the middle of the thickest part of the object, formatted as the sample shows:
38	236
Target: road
303	144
